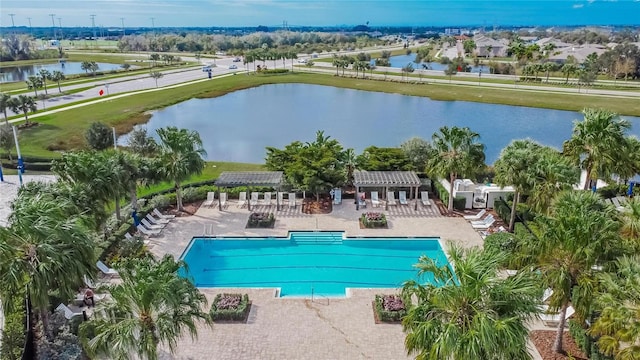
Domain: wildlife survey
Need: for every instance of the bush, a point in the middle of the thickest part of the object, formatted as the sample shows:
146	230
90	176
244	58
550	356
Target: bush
275	71
580	336
373	220
261	220
192	194
459	203
230	307
160	201
390	308
14	334
505	243
613	190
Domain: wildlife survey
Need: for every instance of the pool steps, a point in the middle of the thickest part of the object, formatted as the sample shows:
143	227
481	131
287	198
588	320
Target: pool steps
315	238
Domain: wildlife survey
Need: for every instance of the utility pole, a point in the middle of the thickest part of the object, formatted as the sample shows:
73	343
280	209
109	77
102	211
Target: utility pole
60	25
123	32
12	23
93	25
53	23
30	28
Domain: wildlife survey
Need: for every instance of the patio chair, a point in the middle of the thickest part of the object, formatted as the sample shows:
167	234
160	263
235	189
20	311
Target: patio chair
150	226
362	200
242	199
477	216
375	202
254	198
157	213
279	198
424	197
128	236
402	197
267	199
622	200
292	200
391	198
223	199
615	202
485	226
146	231
68	313
483	221
90	284
211	197
105	269
548	292
337	196
554	319
157	221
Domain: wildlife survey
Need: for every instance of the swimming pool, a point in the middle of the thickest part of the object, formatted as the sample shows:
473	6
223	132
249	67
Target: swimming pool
325	263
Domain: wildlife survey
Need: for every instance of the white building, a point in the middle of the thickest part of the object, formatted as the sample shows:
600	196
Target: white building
478	196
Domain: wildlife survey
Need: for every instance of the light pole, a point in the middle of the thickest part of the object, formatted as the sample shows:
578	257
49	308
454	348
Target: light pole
60	26
93	26
123	32
12	23
53	23
30	28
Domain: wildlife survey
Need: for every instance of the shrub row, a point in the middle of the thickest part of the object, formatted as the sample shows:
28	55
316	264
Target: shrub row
236	313
459	202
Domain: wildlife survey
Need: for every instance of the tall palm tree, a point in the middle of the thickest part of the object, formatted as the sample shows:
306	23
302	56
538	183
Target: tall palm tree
595	143
57	76
455	152
580	233
44	76
5	100
468	311
34	82
350	164
513	169
152	306
181	156
552	174
631	222
23	104
44	248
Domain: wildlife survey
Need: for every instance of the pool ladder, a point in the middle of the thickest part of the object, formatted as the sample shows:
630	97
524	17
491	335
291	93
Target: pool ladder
319	297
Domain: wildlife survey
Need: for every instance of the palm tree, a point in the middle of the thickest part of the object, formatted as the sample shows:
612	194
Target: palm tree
156	75
580	233
152	306
552	174
513	168
569	69
44	76
57	76
631	222
350	164
468	311
596	142
181	156
45	247
5	100
455	151
617	327
23	104
34	82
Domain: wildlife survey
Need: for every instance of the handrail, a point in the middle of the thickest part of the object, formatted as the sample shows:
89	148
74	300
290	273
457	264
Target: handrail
313	296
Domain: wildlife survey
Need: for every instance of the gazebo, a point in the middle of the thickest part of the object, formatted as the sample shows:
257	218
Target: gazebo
231	179
387	179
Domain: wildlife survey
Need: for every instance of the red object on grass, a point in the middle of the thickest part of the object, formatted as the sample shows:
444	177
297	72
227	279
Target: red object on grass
101	92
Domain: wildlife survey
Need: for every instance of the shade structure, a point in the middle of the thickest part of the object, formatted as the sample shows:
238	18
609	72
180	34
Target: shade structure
386	180
250	179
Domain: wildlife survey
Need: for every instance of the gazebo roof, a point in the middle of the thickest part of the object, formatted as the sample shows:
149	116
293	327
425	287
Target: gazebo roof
249	178
385	178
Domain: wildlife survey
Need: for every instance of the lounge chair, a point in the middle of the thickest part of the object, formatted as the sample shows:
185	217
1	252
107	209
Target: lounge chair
402	197
477	216
485	226
292	200
242	199
622	200
511	272
150	226
391	198
554	319
483	221
615	202
157	221
254	198
267	199
211	197
105	269
362	202
90	284
548	292
157	213
337	196
147	232
128	236
279	198
375	202
223	199
424	197
68	313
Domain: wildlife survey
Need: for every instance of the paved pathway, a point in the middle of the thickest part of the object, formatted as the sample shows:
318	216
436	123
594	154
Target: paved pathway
300	328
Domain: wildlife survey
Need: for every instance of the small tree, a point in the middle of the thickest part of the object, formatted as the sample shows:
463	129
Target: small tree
23	104
34	82
6	139
99	136
4	105
141	143
156	75
417	151
57	76
44	76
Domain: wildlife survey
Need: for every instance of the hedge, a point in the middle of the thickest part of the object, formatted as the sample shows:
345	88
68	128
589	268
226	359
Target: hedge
237	314
14	334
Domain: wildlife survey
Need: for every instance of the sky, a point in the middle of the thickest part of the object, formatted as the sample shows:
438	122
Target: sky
208	13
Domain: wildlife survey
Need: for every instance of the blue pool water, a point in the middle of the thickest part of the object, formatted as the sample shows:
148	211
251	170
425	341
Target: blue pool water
322	262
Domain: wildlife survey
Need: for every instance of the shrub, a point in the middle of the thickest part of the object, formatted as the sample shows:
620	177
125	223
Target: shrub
230	307
261	220
192	194
459	203
14	334
373	220
160	201
275	71
390	308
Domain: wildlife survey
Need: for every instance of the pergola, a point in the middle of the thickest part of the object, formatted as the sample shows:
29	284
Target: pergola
387	179
231	179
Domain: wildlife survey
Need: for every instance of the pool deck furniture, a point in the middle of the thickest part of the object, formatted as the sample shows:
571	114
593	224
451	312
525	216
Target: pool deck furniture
362	201
292	200
254	198
483	221
337	196
148	232
150	226
105	269
424	197
211	197
157	213
554	319
242	199
157	221
402	196
389	180
391	198
266	200
375	202
68	313
223	199
128	236
477	216
484	226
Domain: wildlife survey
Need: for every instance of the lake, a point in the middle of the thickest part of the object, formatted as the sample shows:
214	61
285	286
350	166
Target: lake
238	126
22	73
401	61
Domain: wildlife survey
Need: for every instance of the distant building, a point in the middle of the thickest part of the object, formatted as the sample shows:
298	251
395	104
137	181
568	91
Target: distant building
488	47
580	53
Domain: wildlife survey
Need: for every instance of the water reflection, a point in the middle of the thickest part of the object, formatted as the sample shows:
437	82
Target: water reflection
22	73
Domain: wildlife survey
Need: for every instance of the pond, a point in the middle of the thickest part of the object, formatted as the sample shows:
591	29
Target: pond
238	126
401	61
22	73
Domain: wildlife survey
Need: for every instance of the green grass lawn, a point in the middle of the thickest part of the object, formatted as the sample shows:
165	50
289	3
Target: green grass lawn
65	130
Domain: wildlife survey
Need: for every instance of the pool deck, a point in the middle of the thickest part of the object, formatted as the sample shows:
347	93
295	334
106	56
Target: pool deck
300	328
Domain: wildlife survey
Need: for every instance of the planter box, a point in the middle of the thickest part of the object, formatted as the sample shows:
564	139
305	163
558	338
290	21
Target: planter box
373	220
261	220
389	308
230	308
